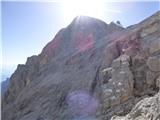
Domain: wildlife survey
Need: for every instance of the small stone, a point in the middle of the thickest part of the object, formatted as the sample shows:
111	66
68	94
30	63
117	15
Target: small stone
119	83
118	91
158	82
110	80
108	92
115	100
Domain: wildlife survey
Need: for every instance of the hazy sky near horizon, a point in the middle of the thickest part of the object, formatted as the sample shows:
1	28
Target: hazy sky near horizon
28	26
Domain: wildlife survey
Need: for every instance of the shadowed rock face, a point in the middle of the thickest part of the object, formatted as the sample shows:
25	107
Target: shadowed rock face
4	86
79	74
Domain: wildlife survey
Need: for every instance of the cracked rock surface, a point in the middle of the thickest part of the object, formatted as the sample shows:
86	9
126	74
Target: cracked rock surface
90	70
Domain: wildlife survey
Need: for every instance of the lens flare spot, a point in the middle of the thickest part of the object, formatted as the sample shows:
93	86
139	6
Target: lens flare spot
82	104
83	43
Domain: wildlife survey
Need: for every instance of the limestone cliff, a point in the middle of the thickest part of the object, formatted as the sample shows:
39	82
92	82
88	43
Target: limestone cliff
90	70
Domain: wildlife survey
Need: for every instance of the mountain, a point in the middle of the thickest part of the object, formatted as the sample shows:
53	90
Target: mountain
4	75
4	86
90	70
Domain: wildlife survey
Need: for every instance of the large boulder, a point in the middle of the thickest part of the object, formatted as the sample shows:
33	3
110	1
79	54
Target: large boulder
119	87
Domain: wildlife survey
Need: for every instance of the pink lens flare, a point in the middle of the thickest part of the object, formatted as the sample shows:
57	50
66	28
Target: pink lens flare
84	43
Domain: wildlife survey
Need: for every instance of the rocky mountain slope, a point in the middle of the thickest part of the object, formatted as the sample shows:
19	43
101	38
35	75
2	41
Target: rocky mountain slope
4	86
90	71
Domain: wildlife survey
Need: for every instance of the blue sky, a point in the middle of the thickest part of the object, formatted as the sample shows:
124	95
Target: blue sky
28	26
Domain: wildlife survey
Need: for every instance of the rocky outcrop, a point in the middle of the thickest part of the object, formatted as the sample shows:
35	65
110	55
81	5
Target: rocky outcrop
90	70
145	69
38	89
146	109
154	63
119	87
4	86
155	47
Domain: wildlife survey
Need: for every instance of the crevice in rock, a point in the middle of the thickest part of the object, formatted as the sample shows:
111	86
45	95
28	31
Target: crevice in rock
95	80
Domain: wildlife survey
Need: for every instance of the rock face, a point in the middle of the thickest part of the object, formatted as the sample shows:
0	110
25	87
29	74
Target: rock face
146	109
153	63
90	70
119	87
4	86
146	74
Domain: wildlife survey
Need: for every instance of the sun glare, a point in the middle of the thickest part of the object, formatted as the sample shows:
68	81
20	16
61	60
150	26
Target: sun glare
92	8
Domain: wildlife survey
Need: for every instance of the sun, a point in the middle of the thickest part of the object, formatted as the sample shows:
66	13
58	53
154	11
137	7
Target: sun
92	8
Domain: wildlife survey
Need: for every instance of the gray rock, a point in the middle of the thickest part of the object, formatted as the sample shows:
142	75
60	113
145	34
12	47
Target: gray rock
154	64
120	88
66	81
146	109
158	82
155	47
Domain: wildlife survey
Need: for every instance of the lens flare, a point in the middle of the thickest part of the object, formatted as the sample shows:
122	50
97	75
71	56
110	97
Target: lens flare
84	7
83	43
82	105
